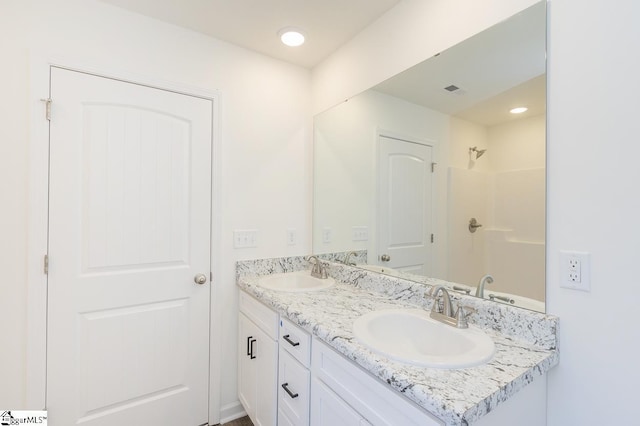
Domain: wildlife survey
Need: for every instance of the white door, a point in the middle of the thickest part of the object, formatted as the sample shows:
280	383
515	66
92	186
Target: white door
129	228
404	205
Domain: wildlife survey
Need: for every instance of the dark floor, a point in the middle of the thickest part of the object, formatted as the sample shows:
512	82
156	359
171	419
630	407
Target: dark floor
242	421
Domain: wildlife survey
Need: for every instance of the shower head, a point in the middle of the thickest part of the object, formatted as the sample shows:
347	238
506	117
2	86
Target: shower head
478	152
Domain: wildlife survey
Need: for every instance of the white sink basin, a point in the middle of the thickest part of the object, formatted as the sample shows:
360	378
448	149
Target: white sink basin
412	336
295	281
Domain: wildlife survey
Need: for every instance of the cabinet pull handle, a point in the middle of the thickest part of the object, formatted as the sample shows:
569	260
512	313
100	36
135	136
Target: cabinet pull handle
249	340
289	341
285	386
251	355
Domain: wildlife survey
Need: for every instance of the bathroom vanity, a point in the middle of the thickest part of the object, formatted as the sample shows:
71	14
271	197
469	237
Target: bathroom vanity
300	363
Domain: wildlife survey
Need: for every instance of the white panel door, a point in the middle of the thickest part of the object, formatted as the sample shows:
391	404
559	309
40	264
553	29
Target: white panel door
404	205
129	228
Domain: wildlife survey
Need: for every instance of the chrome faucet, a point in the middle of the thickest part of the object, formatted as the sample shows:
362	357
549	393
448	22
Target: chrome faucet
318	270
347	258
458	320
487	279
447	307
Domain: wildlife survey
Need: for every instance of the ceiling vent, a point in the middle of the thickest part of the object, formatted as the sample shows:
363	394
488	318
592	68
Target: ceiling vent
455	90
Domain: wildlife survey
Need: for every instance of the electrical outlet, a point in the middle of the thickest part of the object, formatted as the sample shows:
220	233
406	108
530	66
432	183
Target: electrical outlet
574	270
327	235
292	237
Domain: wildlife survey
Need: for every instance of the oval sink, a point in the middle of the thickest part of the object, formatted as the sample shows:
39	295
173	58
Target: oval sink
413	337
295	281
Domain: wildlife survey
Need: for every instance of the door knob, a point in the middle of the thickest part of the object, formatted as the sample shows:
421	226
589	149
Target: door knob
200	279
385	258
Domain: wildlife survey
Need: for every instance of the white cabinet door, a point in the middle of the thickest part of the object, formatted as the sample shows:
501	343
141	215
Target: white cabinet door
328	409
247	366
257	373
266	353
129	219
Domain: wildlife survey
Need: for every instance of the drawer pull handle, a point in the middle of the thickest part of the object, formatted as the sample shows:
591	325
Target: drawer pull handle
285	386
248	345
251	355
289	341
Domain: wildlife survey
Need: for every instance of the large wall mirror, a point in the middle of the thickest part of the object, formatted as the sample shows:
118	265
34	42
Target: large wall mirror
432	174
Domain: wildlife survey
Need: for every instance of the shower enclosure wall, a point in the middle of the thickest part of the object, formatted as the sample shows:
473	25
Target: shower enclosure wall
505	191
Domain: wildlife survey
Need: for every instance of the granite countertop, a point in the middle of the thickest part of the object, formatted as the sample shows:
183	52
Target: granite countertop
525	341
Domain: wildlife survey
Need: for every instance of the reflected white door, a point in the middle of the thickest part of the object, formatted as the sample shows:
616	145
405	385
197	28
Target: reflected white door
404	205
129	229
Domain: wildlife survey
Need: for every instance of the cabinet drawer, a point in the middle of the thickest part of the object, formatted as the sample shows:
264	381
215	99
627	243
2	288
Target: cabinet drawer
262	316
296	341
376	402
293	390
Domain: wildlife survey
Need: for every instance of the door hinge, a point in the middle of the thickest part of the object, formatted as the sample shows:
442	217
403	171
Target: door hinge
210	277
46	264
432	238
433	167
47	108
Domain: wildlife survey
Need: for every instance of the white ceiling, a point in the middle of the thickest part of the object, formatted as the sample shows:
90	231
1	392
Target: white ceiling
254	24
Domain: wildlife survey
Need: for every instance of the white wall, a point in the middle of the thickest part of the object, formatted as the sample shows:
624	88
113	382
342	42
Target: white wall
594	205
265	133
13	195
517	144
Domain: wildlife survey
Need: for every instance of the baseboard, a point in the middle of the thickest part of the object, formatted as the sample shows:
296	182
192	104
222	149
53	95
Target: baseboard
229	412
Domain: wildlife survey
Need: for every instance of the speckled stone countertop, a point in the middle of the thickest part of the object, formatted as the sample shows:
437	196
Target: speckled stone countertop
525	341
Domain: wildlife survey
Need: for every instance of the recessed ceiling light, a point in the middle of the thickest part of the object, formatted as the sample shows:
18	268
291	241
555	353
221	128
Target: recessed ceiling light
518	110
291	36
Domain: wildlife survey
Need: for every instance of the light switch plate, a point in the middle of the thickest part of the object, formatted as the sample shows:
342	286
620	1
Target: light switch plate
360	233
245	238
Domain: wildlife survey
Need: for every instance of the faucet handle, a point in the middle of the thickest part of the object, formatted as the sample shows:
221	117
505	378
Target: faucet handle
460	289
461	316
323	270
